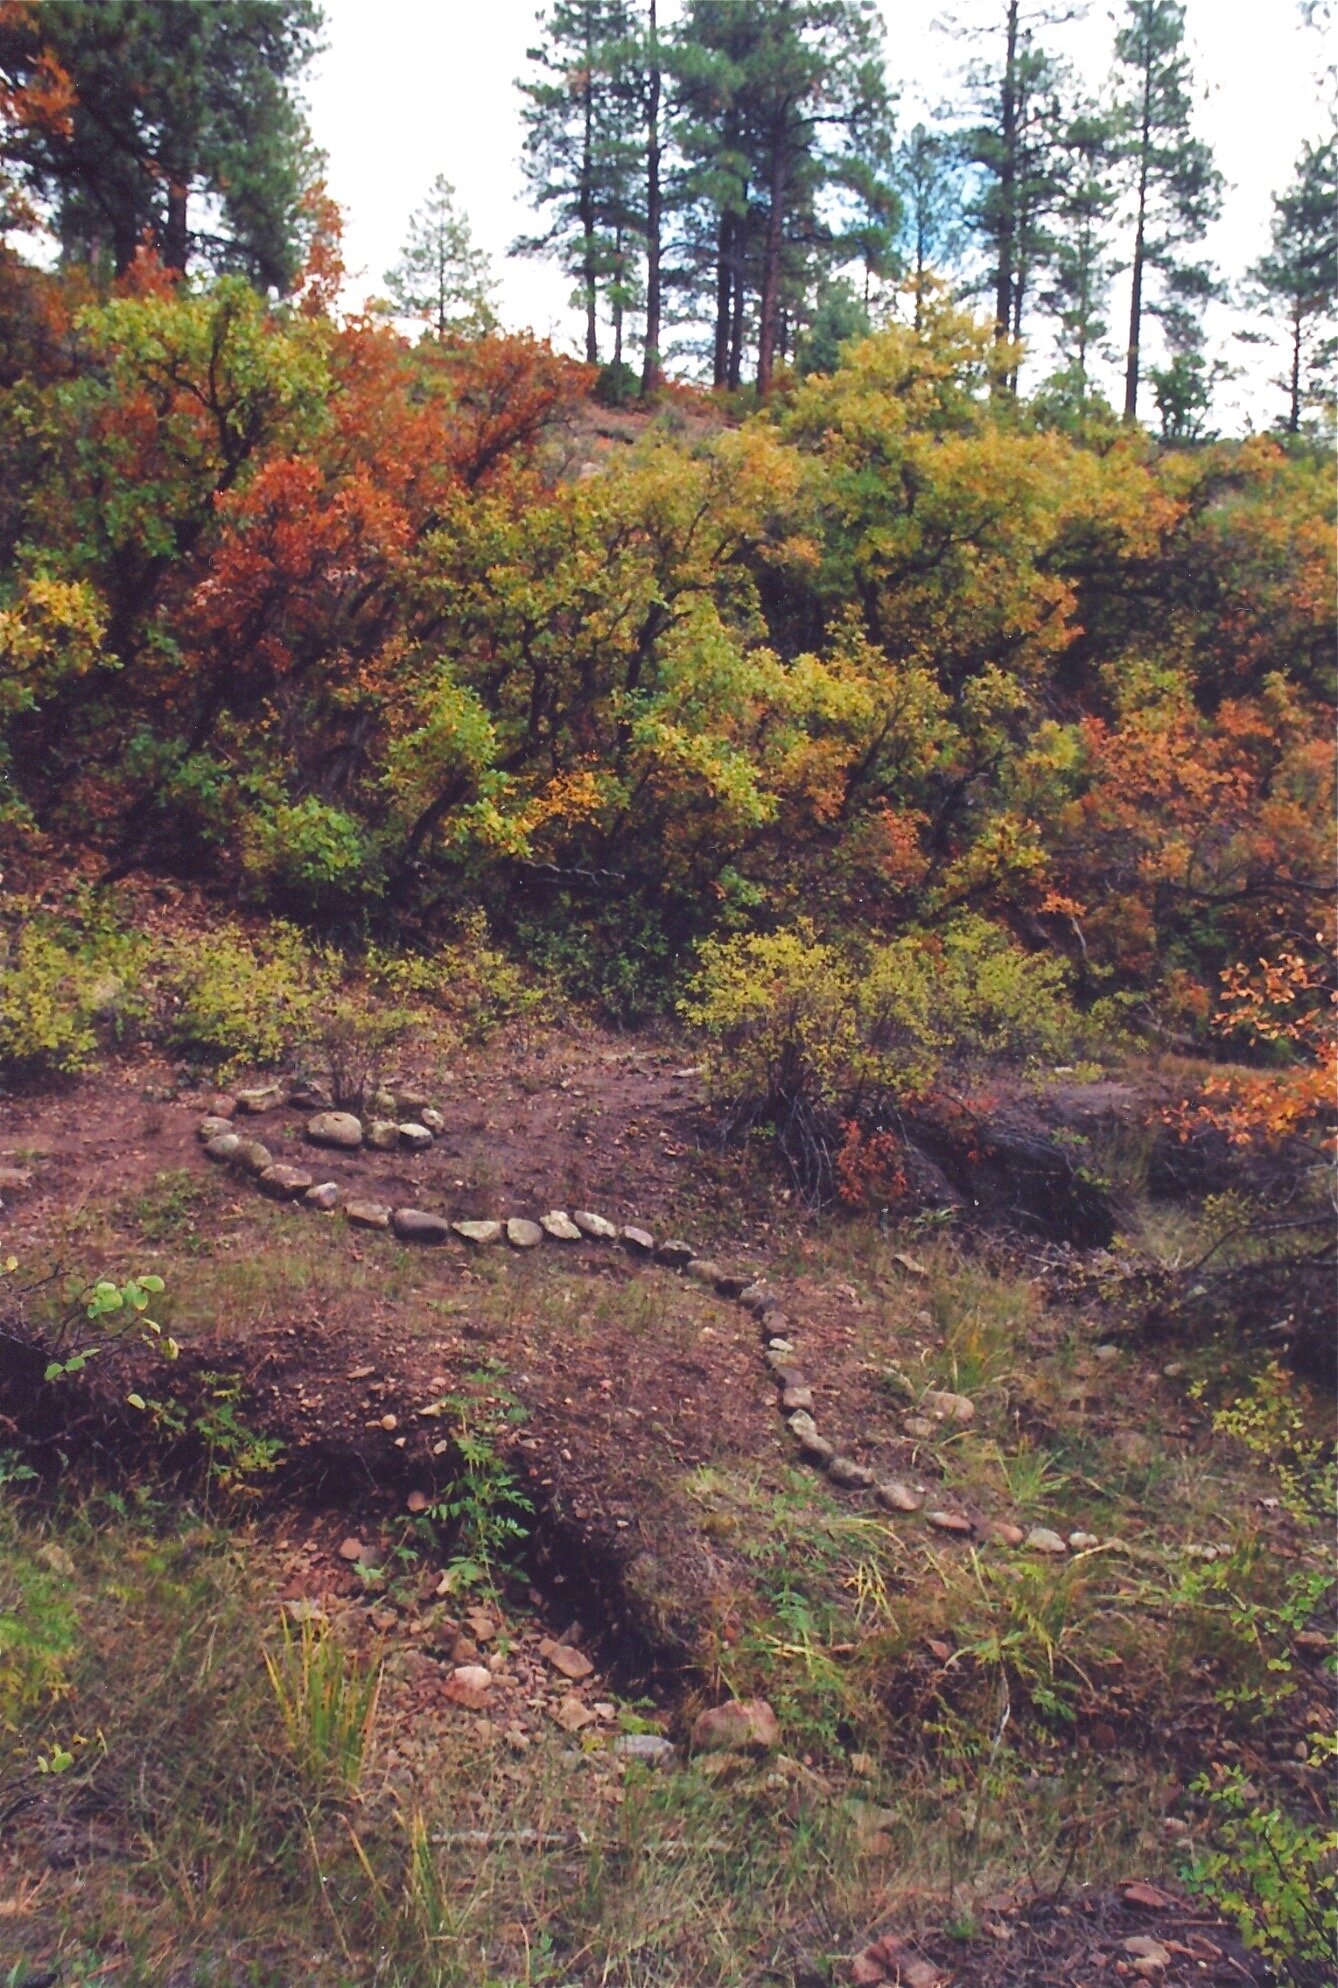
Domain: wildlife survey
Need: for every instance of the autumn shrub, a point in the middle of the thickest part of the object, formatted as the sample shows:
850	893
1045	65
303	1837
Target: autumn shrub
63	992
310	857
803	1034
353	1035
241	999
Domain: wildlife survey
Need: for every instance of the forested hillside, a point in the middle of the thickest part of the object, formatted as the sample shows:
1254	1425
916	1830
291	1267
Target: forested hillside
800	778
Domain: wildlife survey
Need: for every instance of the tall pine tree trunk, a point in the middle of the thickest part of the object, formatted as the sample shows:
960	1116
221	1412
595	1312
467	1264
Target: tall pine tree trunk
771	257
734	375
1133	361
1294	411
724	292
650	372
1007	222
586	206
176	238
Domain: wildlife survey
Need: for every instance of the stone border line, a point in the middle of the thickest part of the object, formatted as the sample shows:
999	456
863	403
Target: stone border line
403	1119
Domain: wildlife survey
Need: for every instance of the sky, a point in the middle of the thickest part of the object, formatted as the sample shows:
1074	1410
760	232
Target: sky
407	89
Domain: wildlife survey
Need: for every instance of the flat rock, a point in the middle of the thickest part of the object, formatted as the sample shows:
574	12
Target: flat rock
572	1714
946	1407
212	1128
367	1214
675	1254
479	1233
565	1657
251	1156
702	1271
910	1264
733	1283
1004	1533
759	1299
801	1424
954	1522
382	1135
413	1135
595	1226
653	1748
794	1398
335	1128
854	1476
558	1224
640	1241
324	1195
816	1448
1083	1542
740	1725
919	1428
409	1100
261	1097
221	1105
779	1361
418	1226
898	1497
523	1234
224	1148
284	1183
1041	1540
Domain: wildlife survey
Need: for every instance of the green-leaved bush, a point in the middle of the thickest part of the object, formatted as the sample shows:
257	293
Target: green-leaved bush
63	991
239	1000
802	1034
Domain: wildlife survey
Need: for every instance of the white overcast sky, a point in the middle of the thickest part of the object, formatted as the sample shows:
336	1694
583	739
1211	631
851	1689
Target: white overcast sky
407	89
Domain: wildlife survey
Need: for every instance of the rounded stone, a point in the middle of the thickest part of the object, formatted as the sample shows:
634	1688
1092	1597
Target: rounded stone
434	1121
898	1497
212	1128
324	1195
1041	1540
946	1407
817	1449
796	1398
953	1522
367	1214
225	1147
854	1476
559	1225
335	1128
283	1183
597	1227
479	1233
382	1135
262	1097
523	1234
702	1271
675	1254
416	1137
417	1225
252	1156
640	1241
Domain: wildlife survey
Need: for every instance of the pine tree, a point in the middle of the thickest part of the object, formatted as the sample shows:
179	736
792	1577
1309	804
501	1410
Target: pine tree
173	103
1297	281
785	113
928	172
1176	188
583	150
1014	147
440	276
1080	266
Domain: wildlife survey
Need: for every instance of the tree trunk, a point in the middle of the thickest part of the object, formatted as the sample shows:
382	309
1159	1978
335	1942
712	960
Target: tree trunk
1003	274
724	291
1133	359
735	373
650	372
587	214
771	257
1294	413
176	239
